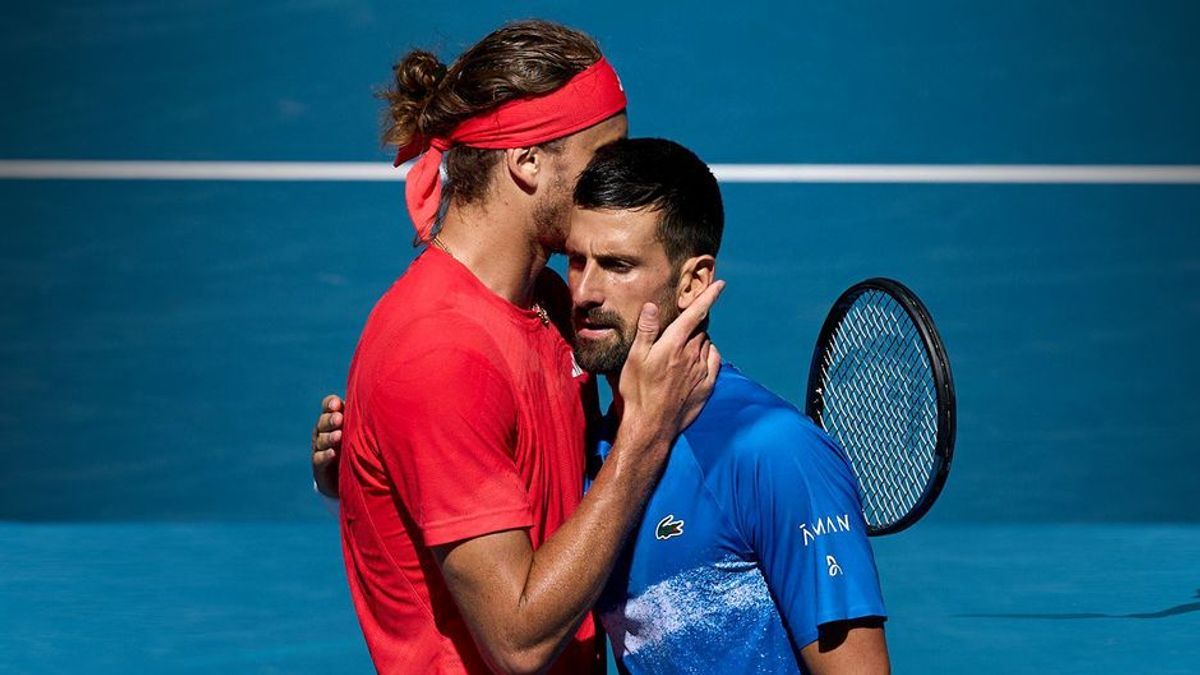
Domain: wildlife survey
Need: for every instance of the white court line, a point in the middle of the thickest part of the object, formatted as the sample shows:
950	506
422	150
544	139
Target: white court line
24	169
955	173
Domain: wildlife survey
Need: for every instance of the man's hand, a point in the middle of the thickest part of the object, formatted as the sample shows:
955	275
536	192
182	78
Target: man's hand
326	445
666	381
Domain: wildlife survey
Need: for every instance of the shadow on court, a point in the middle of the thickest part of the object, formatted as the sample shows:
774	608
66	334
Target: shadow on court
1185	608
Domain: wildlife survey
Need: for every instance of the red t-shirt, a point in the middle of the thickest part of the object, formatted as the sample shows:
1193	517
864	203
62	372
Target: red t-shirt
464	416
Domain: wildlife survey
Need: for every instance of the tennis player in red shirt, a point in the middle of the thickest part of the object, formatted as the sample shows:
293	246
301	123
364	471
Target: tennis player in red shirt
467	541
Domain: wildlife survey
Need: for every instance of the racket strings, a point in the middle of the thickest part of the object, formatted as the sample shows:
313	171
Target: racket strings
892	431
880	403
882	471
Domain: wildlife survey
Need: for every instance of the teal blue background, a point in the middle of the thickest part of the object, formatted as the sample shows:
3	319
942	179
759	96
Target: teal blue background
165	345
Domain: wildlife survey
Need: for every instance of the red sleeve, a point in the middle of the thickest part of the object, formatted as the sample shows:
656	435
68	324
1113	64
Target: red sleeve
445	422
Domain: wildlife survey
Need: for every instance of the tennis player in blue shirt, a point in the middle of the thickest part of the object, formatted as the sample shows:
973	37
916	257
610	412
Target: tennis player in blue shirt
752	553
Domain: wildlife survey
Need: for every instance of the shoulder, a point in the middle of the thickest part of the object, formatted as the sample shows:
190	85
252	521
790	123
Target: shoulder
439	353
459	381
441	331
431	309
744	417
422	343
437	299
753	432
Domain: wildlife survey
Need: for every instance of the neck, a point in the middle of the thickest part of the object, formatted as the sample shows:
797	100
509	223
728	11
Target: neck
618	404
497	246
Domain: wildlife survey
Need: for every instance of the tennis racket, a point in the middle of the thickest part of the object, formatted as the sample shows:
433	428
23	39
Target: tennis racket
880	385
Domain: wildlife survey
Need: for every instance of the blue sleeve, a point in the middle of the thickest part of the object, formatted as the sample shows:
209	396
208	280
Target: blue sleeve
798	508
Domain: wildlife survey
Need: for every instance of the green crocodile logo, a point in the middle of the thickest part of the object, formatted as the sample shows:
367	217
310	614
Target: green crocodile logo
668	527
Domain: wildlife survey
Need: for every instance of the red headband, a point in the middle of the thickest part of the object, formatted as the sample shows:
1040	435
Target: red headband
590	97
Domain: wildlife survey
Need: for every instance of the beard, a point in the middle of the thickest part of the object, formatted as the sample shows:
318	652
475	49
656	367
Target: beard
607	356
552	215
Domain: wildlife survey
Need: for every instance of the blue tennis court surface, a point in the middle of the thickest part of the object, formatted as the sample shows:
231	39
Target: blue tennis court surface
268	598
164	345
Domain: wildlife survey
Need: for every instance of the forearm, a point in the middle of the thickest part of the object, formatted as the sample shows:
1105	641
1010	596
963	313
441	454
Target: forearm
530	607
854	646
569	571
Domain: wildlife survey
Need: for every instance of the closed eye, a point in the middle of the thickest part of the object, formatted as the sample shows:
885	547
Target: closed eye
615	263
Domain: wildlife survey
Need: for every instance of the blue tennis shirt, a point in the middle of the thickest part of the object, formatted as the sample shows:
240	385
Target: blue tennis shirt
752	539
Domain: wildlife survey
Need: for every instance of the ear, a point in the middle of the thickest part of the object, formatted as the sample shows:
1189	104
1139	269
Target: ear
525	166
695	275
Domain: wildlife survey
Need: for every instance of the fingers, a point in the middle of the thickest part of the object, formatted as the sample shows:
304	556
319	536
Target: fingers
692	360
702	362
647	328
697	353
714	366
330	418
329	422
331	403
694	349
705	388
325	472
696	312
319	459
327	441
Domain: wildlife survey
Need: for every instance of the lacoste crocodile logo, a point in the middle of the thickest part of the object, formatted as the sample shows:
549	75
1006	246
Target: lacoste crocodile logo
668	527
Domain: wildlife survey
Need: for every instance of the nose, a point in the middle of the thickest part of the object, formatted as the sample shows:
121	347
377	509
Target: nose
585	286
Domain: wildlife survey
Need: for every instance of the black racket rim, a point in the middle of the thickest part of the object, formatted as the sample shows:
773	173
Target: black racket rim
943	382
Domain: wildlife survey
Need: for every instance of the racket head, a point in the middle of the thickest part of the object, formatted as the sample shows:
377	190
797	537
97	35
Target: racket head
869	317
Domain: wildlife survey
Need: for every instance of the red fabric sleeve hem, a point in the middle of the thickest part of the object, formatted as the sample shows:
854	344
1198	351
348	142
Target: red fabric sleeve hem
476	525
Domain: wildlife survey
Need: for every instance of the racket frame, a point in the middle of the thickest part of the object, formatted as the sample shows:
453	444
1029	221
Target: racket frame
943	382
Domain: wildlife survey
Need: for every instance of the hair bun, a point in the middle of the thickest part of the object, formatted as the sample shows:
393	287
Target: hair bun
417	77
418	74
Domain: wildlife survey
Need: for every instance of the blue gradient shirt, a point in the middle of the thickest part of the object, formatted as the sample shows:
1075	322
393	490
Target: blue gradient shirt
753	538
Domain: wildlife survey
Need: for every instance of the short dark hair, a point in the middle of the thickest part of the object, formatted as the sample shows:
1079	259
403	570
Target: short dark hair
655	173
